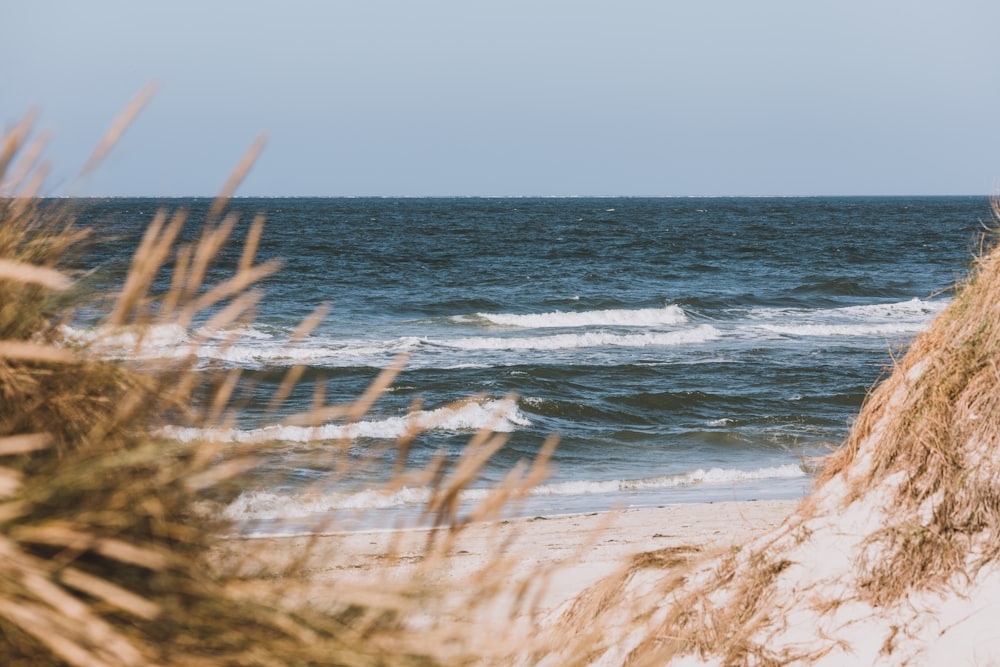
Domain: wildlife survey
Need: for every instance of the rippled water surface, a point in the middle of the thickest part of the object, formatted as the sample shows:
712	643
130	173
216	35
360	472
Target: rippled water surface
684	349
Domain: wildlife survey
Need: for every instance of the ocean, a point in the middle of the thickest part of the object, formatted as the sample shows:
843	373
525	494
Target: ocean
683	349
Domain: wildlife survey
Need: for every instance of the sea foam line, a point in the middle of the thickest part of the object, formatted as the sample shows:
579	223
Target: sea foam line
884	319
699	334
912	308
257	505
844	330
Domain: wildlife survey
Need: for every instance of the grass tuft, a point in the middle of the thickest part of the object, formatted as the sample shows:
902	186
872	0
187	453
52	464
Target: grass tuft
910	504
106	557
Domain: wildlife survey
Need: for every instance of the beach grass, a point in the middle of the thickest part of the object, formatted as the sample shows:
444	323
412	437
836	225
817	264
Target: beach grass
105	537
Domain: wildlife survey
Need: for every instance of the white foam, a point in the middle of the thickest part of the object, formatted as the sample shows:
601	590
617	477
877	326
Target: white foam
171	342
902	318
257	505
700	476
499	416
913	308
267	505
643	317
310	351
163	341
846	330
244	346
128	341
699	334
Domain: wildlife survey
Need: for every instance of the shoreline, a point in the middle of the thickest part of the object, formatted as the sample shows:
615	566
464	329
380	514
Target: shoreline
413	517
572	551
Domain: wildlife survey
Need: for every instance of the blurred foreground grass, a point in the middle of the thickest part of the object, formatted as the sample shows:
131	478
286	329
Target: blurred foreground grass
104	549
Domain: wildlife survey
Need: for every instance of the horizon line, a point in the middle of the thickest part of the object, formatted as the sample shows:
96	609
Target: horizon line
397	196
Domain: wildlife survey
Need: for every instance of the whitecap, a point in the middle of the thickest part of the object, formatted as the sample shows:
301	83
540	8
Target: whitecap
498	415
712	476
845	330
699	334
643	317
912	308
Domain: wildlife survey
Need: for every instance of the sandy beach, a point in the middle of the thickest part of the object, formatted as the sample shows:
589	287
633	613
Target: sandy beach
575	551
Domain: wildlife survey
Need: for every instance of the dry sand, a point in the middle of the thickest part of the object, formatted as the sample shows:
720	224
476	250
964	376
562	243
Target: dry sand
578	550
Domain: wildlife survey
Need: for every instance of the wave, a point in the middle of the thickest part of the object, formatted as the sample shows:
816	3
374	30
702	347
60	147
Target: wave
699	334
881	319
262	346
498	415
172	342
643	317
845	330
361	353
160	340
260	505
126	341
912	308
239	346
699	476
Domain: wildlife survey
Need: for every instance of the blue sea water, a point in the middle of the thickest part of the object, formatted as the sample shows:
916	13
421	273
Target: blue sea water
684	349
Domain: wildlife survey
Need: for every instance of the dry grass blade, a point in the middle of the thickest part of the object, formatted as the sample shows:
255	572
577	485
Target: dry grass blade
211	242
35	620
234	312
149	257
24	443
364	403
221	472
445	499
29	191
118	127
235	285
317	415
242	169
77	540
309	324
13	140
173	297
284	390
10	481
30	273
125	552
53	535
15	350
29	163
295	373
252	242
223	394
12	511
540	467
114	595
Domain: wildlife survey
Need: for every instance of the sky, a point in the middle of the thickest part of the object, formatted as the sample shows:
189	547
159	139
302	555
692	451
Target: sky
514	97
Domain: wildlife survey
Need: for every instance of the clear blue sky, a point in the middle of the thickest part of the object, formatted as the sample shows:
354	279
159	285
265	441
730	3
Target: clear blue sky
513	97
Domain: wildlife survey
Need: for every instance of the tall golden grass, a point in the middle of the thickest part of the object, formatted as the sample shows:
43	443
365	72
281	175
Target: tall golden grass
106	557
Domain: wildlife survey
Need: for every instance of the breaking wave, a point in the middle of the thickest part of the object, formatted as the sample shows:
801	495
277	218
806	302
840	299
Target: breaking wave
699	334
500	415
643	317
